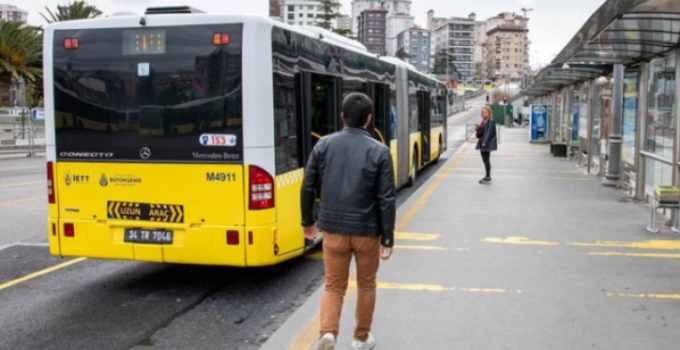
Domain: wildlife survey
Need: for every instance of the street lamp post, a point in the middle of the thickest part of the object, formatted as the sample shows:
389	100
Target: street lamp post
526	27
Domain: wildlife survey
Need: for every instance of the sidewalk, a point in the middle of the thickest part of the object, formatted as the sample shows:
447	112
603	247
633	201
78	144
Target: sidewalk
545	258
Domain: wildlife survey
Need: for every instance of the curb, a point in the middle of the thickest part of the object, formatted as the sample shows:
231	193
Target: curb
21	156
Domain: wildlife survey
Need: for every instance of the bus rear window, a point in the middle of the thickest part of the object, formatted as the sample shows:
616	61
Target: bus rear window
149	95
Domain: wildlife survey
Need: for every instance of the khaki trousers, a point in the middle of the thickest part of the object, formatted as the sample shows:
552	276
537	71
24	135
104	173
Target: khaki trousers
338	250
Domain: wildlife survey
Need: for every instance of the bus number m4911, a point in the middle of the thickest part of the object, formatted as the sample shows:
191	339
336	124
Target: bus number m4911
221	177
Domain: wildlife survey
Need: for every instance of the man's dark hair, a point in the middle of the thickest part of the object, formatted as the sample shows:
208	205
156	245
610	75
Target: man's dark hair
356	108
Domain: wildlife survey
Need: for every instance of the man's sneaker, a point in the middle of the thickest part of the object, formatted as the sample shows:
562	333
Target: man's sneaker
364	345
327	342
485	181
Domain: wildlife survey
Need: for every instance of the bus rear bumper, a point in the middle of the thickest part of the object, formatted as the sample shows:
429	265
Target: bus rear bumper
237	246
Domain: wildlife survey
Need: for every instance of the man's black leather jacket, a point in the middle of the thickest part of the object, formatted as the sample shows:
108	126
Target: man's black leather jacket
354	176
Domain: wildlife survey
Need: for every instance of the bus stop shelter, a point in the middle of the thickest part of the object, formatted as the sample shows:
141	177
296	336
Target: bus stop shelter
634	43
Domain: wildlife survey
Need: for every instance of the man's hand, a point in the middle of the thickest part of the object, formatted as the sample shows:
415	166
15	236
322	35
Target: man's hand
309	232
385	253
484	145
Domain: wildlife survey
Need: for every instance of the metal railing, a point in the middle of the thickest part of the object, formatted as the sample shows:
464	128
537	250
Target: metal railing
28	137
459	101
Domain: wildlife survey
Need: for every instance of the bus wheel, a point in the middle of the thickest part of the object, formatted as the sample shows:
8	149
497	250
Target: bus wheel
441	151
412	179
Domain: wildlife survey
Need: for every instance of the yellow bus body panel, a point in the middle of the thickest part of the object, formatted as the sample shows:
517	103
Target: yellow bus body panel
209	209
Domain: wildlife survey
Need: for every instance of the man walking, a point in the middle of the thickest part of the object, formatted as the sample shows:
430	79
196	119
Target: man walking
355	177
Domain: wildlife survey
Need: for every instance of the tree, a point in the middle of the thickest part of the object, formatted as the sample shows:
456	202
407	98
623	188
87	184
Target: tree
20	54
331	11
403	55
443	64
72	11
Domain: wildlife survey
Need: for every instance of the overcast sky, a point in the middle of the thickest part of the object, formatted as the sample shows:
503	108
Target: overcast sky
553	22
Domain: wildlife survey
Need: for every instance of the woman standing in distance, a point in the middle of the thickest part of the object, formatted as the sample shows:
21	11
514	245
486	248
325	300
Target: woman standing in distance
487	141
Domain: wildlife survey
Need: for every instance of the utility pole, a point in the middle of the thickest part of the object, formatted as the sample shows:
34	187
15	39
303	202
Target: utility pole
526	28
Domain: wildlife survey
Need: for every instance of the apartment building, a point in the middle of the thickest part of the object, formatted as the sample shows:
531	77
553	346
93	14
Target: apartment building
373	30
417	43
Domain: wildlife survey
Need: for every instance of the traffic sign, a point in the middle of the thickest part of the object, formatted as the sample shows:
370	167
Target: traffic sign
38	114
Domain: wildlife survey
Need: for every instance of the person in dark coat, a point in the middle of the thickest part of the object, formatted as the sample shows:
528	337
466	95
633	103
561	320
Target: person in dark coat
487	141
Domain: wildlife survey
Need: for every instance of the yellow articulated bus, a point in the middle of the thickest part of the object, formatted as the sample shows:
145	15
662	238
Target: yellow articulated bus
224	188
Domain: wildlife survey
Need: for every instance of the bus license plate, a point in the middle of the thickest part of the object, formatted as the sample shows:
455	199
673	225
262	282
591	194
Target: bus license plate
136	235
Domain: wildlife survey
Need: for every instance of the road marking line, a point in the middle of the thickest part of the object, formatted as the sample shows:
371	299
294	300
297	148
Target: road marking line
437	288
522	170
317	255
517	240
418	247
637	255
5	204
23	184
505	177
652	245
310	334
404	221
645	296
408	236
40	273
657	245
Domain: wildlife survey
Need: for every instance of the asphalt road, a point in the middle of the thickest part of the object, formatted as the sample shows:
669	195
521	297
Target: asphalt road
99	304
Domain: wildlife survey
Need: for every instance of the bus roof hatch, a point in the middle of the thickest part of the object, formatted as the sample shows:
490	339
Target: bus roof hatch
171	10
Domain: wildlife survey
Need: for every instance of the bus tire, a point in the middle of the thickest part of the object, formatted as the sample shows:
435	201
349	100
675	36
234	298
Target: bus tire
414	174
439	152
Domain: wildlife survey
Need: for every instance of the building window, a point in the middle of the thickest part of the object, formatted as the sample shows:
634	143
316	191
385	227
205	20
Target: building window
310	15
310	7
291	8
291	16
301	15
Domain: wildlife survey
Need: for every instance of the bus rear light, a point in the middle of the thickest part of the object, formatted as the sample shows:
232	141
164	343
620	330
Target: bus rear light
232	238
54	229
250	237
50	182
69	230
261	189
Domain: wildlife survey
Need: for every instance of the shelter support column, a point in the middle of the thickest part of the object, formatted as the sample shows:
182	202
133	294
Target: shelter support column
613	174
589	140
641	134
676	143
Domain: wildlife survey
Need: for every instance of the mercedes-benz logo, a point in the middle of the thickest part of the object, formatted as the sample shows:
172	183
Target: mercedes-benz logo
145	153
